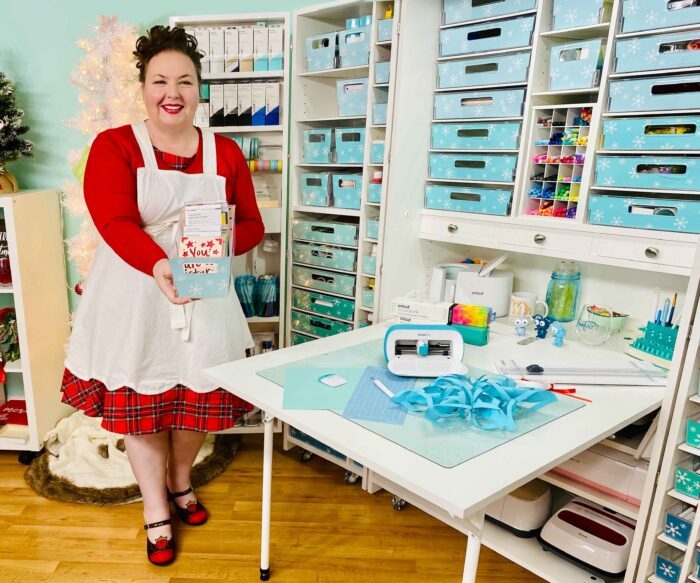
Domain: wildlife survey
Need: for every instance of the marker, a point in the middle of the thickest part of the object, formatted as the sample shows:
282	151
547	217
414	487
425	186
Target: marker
382	387
673	309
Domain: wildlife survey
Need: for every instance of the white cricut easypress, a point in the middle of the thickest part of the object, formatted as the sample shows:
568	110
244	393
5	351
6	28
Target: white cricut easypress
413	350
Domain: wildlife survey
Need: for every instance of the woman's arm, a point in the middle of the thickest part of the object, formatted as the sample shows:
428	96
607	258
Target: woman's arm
110	195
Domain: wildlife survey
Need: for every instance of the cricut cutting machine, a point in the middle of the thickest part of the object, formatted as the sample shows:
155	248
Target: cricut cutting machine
424	351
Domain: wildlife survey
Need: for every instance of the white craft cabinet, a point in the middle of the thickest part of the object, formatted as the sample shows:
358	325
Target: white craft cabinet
38	294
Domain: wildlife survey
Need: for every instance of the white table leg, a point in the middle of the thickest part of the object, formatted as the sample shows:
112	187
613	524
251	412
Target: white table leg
268	422
471	561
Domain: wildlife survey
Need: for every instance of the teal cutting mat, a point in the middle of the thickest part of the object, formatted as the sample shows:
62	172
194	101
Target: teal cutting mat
449	445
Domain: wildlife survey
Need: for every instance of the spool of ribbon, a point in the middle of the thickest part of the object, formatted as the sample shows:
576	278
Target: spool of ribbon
265	165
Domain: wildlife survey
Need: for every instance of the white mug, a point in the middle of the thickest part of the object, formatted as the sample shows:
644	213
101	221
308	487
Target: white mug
525	304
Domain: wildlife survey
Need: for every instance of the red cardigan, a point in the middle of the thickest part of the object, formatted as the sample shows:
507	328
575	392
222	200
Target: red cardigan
110	195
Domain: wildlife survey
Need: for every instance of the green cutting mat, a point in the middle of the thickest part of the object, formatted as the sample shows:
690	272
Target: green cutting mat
448	445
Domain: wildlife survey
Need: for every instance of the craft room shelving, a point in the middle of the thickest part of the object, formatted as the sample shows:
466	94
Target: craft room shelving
38	294
270	187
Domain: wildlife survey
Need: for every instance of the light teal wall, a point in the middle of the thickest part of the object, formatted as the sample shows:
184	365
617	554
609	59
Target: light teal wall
38	52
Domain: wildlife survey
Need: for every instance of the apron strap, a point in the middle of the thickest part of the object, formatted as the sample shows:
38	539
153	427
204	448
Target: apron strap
208	152
144	141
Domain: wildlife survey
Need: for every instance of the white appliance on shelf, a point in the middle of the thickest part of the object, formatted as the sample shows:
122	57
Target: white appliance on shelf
524	511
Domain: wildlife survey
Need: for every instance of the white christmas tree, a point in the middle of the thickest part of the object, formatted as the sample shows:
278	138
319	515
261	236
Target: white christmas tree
109	96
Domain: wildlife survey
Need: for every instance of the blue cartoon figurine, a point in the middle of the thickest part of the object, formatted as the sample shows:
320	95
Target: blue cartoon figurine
558	333
521	323
542	324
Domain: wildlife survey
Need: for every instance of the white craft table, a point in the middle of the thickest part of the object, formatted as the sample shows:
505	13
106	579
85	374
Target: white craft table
457	495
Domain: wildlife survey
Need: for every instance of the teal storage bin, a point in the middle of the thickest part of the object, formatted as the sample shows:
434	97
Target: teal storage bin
376	153
352	97
347	190
368	297
487	36
492	70
661	51
323	304
353	46
202	285
575	65
484	103
652	133
321	50
300	338
318	146
369	265
692	432
316	188
476	136
679	521
382	72
590	12
687	480
669	563
374	192
324	256
463	199
385	27
349	145
669	93
454	11
658	214
372	229
318	325
379	114
666	173
650	14
325	281
335	233
478	167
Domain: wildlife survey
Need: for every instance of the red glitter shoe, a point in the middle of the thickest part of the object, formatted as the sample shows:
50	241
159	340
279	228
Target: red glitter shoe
193	513
161	552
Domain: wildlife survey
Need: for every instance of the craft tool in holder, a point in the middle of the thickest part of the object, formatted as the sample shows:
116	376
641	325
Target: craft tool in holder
245	286
266	296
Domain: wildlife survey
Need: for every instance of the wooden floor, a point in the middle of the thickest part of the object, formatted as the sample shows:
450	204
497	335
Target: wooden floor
323	530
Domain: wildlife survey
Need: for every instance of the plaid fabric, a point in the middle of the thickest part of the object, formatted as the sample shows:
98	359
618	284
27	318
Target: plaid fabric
173	160
127	412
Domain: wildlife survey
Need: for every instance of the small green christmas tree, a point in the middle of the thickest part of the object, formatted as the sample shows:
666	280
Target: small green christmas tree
12	145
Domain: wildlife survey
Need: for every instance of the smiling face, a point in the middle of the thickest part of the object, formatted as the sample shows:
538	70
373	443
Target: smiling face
170	90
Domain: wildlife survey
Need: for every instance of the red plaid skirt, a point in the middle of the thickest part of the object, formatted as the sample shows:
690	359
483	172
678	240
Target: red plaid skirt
127	412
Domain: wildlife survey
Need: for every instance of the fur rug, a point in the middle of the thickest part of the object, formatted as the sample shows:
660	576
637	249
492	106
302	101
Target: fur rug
84	464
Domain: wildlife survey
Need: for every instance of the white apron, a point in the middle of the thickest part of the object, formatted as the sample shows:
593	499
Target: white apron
125	331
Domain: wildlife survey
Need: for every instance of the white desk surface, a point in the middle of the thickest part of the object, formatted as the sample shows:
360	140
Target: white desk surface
470	486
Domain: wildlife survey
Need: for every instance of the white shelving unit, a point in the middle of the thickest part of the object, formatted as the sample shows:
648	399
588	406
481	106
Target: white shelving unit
273	145
38	294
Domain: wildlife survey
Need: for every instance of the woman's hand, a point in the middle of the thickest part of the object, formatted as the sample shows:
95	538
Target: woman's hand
163	274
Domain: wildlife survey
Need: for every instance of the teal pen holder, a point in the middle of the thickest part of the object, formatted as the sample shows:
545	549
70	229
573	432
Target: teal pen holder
473	335
658	343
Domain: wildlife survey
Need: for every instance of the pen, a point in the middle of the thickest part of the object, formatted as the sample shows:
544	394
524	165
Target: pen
655	304
673	309
382	387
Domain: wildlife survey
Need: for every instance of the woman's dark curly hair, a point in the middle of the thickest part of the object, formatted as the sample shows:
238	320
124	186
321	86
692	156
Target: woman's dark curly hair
163	38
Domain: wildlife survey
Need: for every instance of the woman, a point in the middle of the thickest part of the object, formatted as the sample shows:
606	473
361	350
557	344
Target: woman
136	350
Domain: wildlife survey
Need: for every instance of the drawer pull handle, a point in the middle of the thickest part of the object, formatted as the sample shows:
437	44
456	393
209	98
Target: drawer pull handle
651	252
452	228
539	239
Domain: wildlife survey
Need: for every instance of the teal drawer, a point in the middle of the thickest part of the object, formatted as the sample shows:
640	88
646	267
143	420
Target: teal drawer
316	188
651	14
692	432
493	70
687	480
374	192
347	190
652	133
376	155
478	167
335	233
476	136
662	173
669	93
300	339
660	51
463	10
317	325
658	214
323	304
328	281
368	298
369	264
482	103
487	36
373	228
324	256
489	201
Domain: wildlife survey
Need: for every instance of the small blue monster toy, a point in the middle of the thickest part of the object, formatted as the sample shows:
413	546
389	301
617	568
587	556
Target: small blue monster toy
558	333
542	324
521	323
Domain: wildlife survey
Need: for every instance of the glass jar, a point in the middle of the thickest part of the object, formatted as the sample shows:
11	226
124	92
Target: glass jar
563	291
